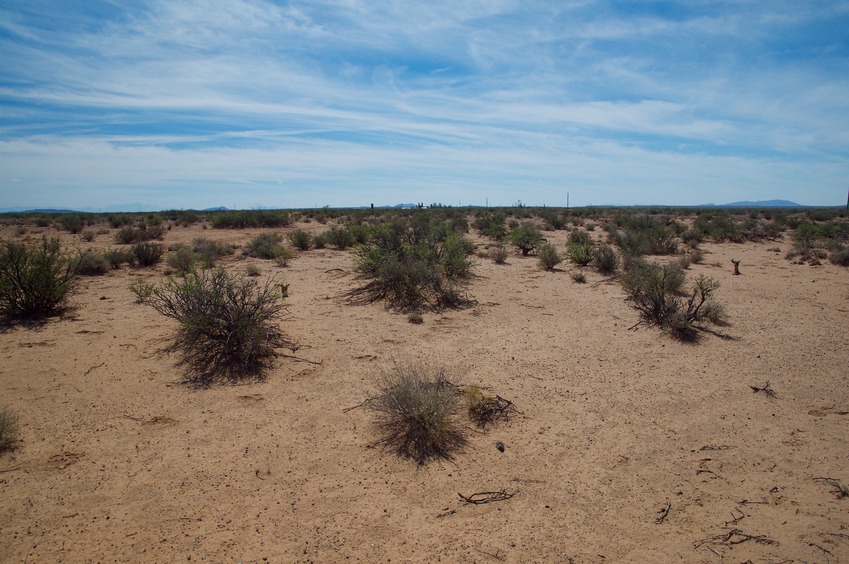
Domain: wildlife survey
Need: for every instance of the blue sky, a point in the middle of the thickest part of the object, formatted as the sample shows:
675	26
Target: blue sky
255	103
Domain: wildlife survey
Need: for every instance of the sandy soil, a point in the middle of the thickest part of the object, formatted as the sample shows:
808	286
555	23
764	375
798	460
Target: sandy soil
120	461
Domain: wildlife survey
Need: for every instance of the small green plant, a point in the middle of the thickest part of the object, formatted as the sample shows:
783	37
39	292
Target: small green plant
34	280
226	323
417	413
548	257
284	257
300	239
579	277
9	430
71	223
484	408
252	270
88	236
319	241
526	237
265	246
141	290
147	254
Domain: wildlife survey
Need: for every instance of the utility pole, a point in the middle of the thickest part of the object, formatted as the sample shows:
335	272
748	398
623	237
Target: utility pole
567	200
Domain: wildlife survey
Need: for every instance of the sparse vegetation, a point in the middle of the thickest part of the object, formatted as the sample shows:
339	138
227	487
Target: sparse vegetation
34	280
209	251
339	238
182	259
417	413
227	323
579	277
582	253
252	218
606	260
499	254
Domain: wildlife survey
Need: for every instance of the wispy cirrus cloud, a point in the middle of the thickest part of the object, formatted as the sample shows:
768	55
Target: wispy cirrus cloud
330	102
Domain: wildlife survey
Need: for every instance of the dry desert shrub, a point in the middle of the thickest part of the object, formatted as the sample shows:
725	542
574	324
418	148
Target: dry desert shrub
606	260
656	291
92	264
526	237
417	412
147	254
227	323
499	254
300	239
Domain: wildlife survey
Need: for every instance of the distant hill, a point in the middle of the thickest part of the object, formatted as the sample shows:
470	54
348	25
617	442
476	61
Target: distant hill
758	204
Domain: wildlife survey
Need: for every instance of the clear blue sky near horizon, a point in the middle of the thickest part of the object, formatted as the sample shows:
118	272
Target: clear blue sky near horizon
265	103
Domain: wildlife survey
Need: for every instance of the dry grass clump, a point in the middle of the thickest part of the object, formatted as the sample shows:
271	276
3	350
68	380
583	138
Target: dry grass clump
226	322
499	254
548	256
9	431
417	413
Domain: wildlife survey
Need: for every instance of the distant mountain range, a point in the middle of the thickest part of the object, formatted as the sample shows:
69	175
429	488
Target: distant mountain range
149	208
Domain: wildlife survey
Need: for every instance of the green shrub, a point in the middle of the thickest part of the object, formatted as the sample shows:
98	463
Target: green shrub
579	237
252	270
9	431
226	323
265	246
549	257
417	413
34	281
412	265
360	234
319	241
579	277
606	260
128	235
581	254
301	240
209	251
71	223
147	254
339	238
88	236
118	257
91	264
182	259
526	238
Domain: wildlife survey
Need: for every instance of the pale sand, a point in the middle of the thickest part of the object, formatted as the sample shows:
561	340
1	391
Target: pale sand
119	461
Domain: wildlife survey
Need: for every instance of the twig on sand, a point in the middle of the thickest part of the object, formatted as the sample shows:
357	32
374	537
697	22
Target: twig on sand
662	513
766	388
486	497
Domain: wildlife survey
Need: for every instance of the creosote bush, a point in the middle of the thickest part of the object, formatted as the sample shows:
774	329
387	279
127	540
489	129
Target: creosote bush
606	260
417	413
9	431
656	291
147	254
91	264
35	280
300	239
413	265
265	246
227	322
581	254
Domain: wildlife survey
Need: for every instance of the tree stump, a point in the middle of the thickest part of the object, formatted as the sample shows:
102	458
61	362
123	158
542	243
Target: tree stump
736	267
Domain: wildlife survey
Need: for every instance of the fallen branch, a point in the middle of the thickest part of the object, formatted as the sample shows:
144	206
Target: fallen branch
765	389
716	447
842	490
486	497
87	372
734	537
662	513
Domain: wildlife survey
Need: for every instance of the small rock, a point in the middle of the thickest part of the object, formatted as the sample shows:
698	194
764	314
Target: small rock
500	446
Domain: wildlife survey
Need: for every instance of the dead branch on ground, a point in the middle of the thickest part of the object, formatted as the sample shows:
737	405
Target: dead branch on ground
481	498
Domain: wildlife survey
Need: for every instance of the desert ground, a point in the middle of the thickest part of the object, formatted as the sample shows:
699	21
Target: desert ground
630	446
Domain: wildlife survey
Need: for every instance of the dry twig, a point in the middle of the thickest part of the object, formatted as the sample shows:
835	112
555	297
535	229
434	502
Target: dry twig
481	498
770	393
662	513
